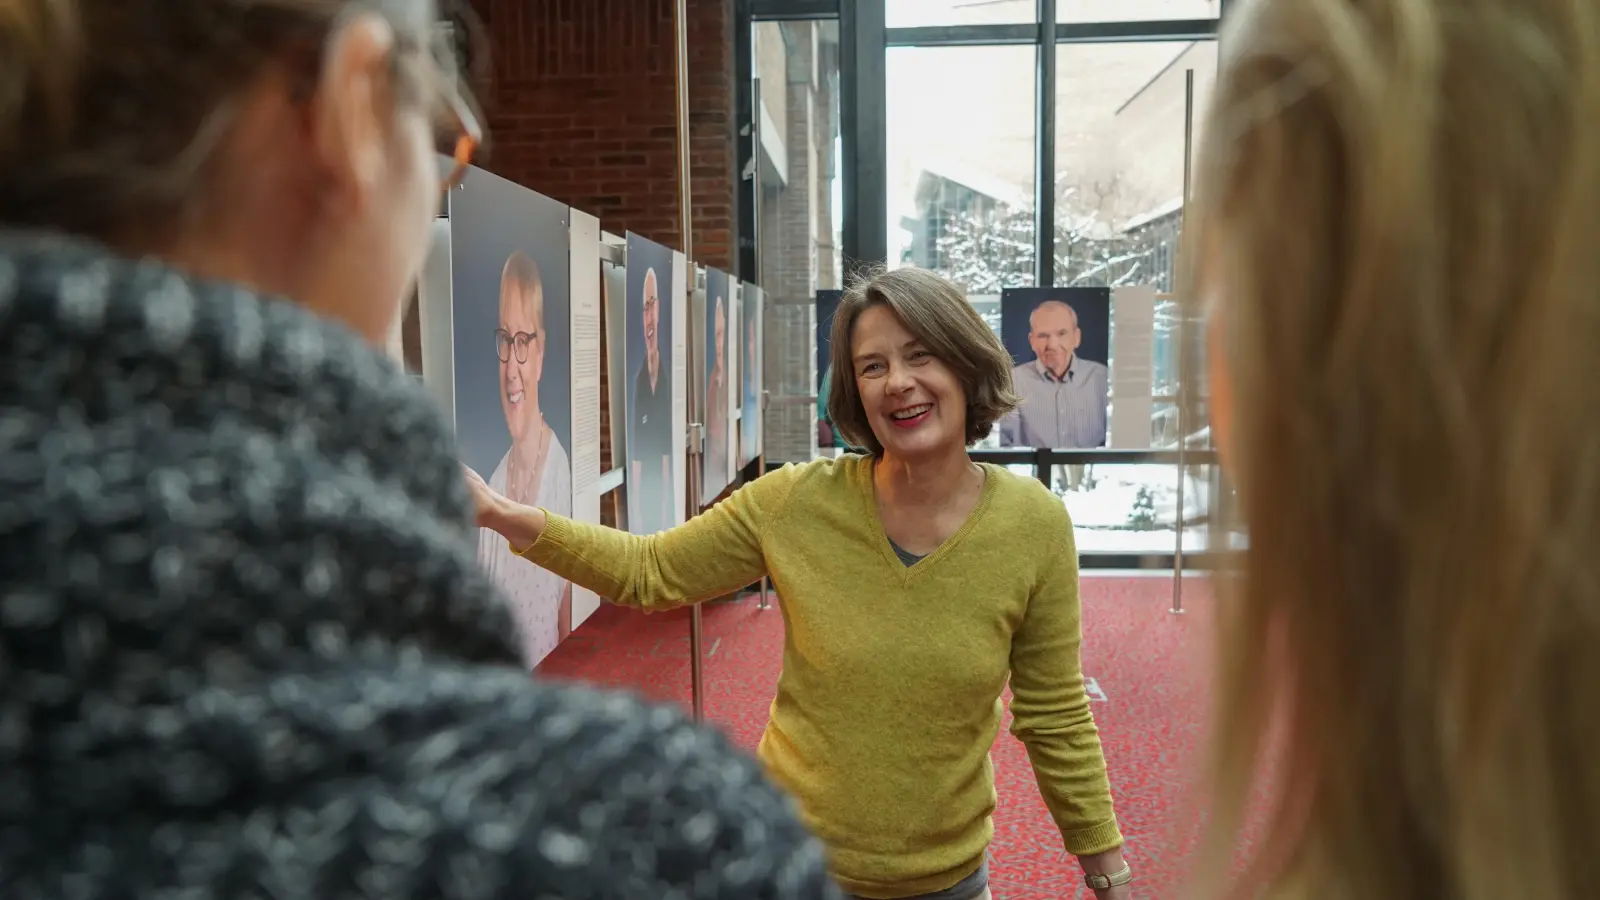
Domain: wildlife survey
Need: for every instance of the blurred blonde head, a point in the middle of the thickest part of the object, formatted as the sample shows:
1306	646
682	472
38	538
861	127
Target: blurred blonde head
1394	240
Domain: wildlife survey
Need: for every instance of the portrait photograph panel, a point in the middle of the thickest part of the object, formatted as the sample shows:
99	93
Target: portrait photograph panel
511	320
1059	340
750	375
613	296
716	403
649	376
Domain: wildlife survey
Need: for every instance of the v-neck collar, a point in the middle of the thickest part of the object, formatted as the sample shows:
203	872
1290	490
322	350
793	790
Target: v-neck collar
869	500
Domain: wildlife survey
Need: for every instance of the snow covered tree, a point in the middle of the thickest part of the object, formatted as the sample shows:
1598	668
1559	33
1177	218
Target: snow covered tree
988	252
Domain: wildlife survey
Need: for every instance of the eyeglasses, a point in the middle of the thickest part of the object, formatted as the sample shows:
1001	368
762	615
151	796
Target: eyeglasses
505	343
469	136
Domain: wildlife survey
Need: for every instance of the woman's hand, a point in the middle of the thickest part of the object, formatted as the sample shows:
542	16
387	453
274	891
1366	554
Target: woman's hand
485	502
519	525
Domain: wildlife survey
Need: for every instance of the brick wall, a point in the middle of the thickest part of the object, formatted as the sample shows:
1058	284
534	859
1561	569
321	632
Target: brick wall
583	109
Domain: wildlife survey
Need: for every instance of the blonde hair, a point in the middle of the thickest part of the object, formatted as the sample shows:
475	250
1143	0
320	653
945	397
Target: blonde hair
521	274
937	312
1396	216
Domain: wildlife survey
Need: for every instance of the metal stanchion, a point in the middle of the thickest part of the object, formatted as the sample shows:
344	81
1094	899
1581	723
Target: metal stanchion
1178	354
697	674
686	232
764	601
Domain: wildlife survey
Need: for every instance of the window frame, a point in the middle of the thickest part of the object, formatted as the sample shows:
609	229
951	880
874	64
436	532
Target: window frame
864	42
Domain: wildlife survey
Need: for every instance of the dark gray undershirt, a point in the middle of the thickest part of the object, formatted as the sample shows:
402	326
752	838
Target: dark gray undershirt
906	556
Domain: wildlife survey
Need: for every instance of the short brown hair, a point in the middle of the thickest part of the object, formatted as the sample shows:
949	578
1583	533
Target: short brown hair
936	311
112	114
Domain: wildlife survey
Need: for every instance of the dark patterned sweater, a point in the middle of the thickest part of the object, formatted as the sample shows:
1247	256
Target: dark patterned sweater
246	652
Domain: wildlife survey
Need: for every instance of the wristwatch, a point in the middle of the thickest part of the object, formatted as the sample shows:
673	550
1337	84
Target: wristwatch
1115	879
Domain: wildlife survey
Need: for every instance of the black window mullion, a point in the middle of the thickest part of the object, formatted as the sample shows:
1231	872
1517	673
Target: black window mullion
1044	177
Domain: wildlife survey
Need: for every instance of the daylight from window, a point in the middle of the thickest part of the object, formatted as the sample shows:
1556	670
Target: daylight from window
961	195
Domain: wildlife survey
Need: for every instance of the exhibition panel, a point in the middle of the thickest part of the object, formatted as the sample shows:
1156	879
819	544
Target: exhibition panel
679	327
653	383
1059	340
511	309
584	249
614	287
698	383
750	376
1135	424
433	319
737	358
717	340
507	320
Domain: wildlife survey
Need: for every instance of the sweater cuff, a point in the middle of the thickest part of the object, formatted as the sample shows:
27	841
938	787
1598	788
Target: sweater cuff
1095	839
552	538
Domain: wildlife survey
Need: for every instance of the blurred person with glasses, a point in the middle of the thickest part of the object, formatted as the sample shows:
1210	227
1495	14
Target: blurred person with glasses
245	646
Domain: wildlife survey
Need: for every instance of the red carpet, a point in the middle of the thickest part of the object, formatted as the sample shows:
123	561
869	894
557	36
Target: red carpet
1145	659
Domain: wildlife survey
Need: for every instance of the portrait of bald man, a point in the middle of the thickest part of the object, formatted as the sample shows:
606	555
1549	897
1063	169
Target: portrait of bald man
535	471
650	443
1063	395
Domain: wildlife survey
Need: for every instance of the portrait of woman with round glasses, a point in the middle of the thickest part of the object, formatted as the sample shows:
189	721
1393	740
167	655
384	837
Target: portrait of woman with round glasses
536	466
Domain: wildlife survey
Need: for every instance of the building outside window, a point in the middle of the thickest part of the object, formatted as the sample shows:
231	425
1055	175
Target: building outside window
796	69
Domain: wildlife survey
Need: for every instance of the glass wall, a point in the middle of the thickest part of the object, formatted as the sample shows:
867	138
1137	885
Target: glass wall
1133	508
796	66
921	13
1135	10
795	72
975	117
978	124
961	148
1119	167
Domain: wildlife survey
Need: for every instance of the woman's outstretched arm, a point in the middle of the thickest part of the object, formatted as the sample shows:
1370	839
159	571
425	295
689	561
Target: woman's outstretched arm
711	554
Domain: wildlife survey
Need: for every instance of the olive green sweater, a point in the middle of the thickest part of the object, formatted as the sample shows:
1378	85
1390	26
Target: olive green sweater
890	696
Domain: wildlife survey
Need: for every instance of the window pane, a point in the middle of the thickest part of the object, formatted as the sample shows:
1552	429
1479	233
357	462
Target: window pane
1134	10
1119	181
961	142
913	13
796	66
1119	158
1134	508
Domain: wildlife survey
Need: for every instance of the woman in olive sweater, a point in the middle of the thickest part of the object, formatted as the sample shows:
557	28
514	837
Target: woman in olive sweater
915	583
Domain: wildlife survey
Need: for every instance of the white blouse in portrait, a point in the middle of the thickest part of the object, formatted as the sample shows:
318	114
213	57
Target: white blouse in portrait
533	593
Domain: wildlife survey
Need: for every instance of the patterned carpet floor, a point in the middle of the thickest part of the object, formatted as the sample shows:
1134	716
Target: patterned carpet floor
1147	671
